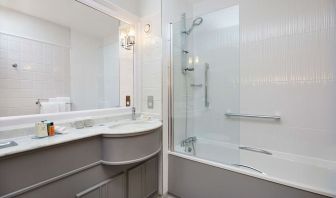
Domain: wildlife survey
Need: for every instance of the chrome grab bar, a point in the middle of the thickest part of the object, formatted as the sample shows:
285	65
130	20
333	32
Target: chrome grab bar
196	85
38	101
275	117
249	167
255	150
207	67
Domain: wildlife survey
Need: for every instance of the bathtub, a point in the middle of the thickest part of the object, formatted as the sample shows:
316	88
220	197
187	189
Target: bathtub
301	172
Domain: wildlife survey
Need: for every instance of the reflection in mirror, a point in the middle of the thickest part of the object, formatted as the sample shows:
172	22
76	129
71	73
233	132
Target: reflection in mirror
52	61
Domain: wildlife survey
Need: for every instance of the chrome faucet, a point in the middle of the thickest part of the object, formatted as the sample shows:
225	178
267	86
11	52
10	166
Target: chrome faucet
189	145
133	113
189	140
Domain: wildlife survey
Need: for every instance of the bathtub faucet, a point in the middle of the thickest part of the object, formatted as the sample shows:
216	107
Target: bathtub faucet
133	113
189	145
188	141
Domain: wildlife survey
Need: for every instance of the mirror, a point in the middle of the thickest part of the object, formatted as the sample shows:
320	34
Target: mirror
59	56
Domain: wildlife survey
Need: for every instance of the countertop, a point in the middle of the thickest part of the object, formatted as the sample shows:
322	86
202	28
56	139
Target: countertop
119	128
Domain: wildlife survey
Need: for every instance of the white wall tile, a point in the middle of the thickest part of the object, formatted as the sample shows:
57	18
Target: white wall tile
288	68
151	55
22	86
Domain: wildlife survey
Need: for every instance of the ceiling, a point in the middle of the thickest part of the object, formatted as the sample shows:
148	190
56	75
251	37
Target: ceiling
68	13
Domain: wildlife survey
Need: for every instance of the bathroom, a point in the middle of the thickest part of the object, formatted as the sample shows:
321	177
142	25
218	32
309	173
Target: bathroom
168	98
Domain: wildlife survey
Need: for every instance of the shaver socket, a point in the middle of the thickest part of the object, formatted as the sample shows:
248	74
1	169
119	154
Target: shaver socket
150	102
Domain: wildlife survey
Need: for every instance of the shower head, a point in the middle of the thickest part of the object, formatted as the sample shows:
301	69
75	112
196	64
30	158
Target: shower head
196	22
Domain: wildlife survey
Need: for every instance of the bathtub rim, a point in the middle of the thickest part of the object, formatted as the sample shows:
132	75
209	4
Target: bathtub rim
256	175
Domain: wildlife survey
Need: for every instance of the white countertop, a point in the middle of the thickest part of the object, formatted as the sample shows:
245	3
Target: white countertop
111	129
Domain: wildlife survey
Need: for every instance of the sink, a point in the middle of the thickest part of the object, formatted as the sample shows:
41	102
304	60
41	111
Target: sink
129	125
7	144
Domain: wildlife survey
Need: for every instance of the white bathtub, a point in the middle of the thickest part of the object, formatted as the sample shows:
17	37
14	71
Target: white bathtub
310	174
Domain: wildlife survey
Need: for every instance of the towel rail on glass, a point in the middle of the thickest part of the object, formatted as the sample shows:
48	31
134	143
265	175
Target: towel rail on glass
275	117
206	85
253	149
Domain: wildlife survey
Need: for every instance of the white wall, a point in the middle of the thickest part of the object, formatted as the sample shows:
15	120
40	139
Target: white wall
151	55
126	75
15	23
87	67
40	49
111	72
288	66
131	6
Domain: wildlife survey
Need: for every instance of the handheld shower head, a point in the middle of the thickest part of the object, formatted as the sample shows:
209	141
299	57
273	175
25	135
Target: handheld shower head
196	22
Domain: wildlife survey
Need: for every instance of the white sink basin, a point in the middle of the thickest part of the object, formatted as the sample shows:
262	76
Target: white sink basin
132	125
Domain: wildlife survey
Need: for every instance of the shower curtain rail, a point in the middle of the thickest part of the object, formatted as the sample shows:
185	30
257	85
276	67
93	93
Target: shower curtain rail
275	117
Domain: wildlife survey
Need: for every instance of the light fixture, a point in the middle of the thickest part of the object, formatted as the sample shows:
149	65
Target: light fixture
128	39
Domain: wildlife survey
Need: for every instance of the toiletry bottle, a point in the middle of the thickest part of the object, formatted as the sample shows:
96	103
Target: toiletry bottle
51	129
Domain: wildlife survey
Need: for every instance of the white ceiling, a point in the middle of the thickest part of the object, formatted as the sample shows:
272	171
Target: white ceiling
67	13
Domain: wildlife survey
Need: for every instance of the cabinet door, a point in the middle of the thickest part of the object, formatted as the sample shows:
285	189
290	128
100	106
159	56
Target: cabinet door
143	179
135	182
92	194
150	177
111	188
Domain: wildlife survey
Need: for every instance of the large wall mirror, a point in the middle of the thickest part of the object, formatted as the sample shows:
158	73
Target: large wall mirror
59	56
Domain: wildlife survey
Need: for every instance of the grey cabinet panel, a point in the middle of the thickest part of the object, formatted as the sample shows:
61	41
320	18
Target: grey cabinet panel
188	178
151	177
127	150
143	179
135	182
93	194
28	168
111	188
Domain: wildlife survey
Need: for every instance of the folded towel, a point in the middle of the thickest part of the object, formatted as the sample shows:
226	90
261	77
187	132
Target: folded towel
49	107
64	103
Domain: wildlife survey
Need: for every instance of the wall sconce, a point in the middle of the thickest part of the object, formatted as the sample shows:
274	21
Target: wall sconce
128	40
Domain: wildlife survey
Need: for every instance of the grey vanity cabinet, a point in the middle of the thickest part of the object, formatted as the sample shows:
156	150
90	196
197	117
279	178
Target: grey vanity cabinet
143	179
111	188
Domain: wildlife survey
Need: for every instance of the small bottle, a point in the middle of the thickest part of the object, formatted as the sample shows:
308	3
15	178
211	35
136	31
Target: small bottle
51	129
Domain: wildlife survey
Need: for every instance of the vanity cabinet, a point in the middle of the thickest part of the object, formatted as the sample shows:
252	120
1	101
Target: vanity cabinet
138	182
143	179
82	169
114	187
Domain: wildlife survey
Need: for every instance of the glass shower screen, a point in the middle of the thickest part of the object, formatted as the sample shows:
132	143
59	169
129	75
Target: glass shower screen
205	85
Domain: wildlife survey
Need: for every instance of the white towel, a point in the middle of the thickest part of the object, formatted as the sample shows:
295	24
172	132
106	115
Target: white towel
64	103
49	107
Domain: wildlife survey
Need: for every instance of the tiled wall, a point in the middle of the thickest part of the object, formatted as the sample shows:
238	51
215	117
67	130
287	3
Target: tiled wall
287	67
42	72
151	55
87	71
126	75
